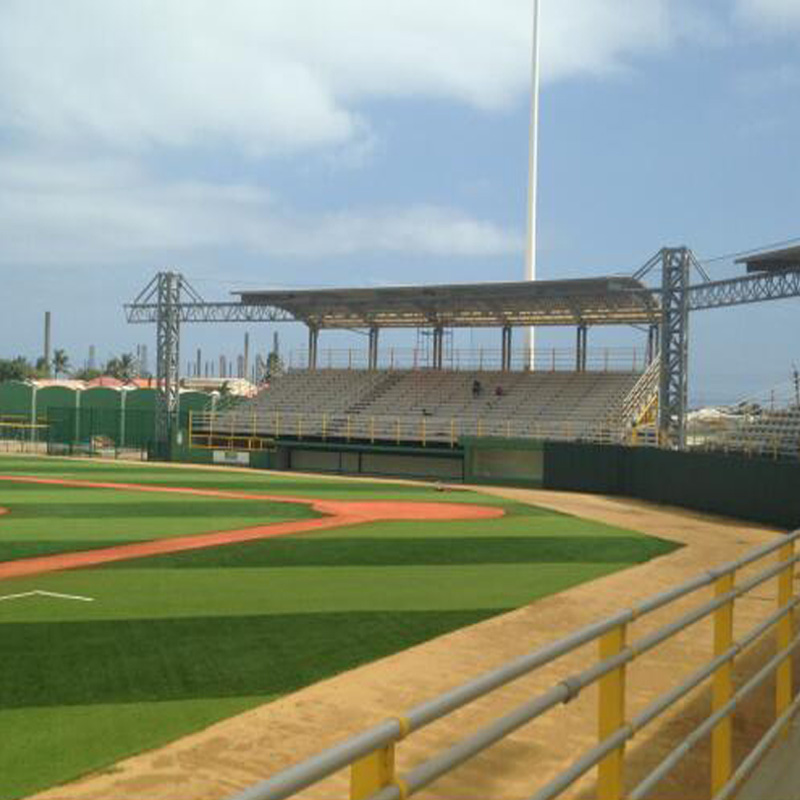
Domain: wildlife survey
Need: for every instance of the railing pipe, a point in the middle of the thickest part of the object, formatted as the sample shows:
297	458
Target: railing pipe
301	776
704	729
758	752
325	764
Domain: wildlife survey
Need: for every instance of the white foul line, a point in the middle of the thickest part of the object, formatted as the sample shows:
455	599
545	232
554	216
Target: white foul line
42	593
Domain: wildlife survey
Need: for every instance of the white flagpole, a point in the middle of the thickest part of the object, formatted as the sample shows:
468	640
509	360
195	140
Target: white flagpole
533	169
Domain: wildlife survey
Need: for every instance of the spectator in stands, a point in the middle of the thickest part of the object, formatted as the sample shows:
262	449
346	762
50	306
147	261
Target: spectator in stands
499	391
476	388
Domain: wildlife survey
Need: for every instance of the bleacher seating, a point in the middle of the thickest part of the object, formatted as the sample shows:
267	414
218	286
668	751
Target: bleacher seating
436	405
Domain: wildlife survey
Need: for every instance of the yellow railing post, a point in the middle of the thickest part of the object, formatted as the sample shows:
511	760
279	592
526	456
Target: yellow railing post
424	433
397	430
191	429
611	717
372	773
452	433
722	689
785	632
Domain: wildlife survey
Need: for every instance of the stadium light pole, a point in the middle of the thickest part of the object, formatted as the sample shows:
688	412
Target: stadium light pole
533	169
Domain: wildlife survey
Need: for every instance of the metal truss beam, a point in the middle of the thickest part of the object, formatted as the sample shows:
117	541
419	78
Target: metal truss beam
147	313
750	289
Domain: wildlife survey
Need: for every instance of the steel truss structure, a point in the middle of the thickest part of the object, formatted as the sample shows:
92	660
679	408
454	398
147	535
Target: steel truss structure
169	300
750	289
673	392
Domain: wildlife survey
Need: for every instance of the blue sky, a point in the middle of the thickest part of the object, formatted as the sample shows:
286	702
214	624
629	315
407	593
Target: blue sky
372	142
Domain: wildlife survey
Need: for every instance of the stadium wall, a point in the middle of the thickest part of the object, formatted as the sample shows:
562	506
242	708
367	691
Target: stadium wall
756	489
504	462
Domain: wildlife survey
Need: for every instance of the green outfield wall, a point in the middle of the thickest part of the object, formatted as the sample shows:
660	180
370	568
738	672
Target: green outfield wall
757	489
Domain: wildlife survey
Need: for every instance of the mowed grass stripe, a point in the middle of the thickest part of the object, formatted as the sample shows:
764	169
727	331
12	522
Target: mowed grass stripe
163	594
82	663
77	516
45	746
440	551
239	480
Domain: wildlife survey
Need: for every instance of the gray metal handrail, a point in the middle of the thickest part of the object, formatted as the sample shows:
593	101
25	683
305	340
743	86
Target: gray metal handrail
311	771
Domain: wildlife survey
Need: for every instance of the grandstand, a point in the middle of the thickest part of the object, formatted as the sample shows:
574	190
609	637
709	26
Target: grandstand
427	406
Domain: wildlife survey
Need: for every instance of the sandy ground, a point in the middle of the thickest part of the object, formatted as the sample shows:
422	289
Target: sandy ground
233	754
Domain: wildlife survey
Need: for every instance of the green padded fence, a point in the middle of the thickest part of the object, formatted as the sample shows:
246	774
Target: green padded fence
757	489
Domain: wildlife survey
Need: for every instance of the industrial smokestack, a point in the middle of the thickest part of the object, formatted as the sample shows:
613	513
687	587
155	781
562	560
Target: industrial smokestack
47	341
246	365
199	363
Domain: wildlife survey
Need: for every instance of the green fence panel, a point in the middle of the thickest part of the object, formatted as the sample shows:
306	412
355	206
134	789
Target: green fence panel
54	397
16	399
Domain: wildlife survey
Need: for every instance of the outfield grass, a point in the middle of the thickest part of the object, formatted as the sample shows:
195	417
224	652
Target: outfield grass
57	519
172	643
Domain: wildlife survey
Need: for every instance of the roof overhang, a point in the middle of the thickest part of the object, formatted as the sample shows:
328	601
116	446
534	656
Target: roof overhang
772	260
592	301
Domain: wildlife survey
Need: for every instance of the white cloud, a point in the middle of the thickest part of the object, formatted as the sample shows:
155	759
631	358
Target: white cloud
107	213
287	75
777	15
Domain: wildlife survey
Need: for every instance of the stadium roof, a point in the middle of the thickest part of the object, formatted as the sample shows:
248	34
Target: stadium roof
787	258
593	301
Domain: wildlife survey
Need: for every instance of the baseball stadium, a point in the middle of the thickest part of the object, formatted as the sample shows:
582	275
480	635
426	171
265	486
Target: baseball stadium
390	573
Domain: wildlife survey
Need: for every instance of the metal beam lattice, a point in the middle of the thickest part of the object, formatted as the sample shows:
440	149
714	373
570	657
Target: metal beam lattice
751	289
676	266
147	313
169	285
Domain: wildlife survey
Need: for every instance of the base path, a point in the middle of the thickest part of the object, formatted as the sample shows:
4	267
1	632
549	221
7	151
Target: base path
212	764
336	514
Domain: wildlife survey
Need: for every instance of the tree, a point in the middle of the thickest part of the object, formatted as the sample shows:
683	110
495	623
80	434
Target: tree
42	367
60	363
18	369
123	367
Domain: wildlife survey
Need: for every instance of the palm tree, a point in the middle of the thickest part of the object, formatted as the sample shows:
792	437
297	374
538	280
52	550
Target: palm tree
123	367
60	363
127	367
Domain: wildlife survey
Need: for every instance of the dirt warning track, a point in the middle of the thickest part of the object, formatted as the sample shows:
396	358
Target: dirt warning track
336	514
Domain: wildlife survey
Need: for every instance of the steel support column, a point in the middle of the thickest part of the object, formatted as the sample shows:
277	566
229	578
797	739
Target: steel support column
168	292
652	343
438	348
373	348
673	383
313	346
580	352
506	354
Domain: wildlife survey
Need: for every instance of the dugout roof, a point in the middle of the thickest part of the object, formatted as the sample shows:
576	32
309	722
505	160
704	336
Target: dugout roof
592	301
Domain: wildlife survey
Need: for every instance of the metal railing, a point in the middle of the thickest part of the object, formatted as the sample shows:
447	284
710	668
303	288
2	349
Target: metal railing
250	428
370	756
488	359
